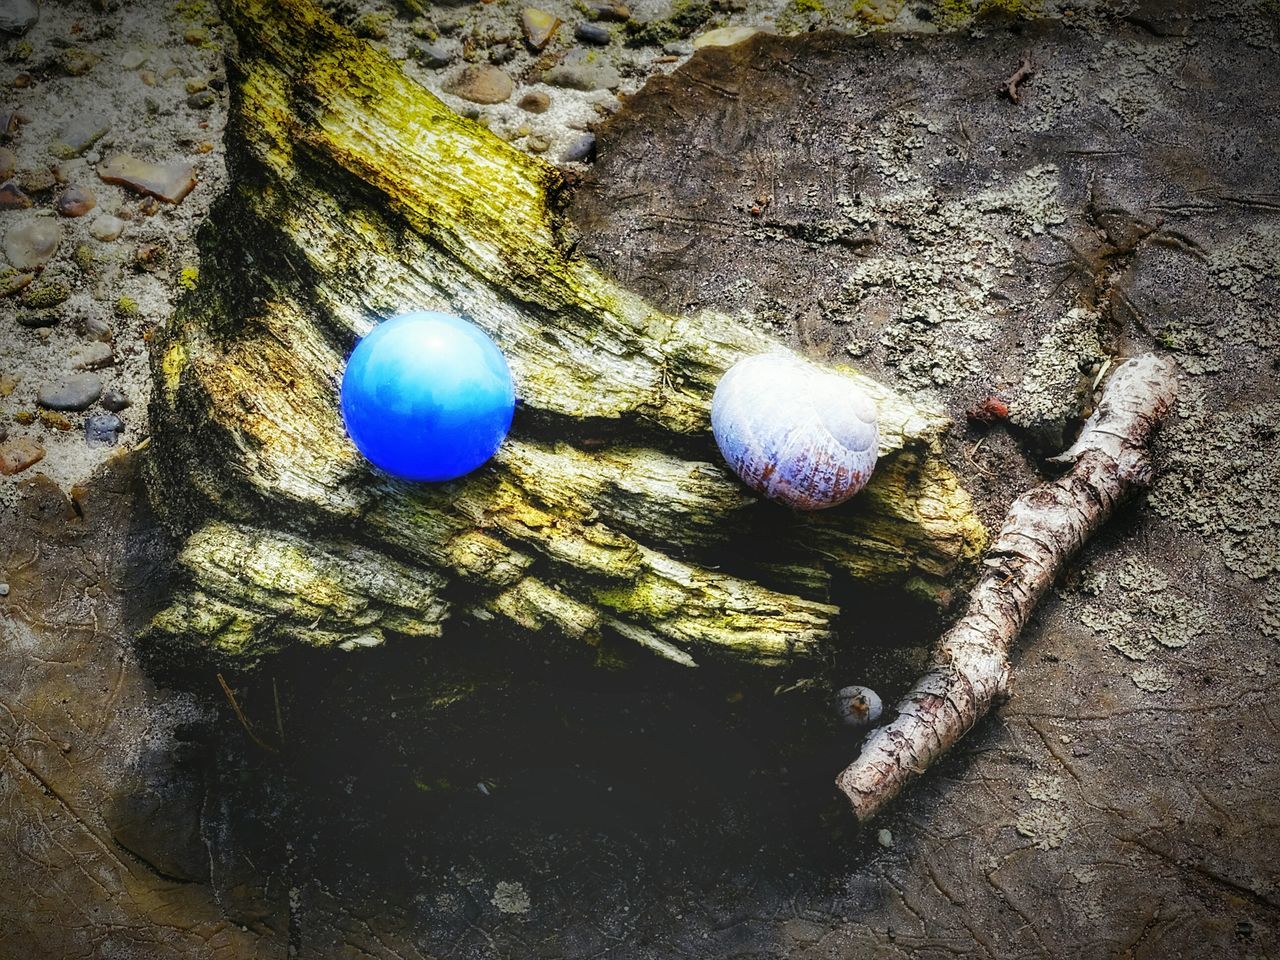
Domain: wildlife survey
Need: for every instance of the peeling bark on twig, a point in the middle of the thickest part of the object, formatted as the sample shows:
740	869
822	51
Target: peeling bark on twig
1043	529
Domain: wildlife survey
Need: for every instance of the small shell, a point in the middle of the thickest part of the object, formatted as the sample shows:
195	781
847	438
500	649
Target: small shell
858	706
794	432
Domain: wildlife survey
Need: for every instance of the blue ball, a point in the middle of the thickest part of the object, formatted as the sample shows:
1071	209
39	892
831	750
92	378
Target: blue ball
427	396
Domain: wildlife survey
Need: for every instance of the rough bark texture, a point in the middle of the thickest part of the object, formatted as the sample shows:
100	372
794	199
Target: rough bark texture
357	195
1045	528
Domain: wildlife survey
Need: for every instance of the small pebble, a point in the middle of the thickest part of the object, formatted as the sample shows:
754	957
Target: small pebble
537	143
12	196
37	180
77	135
132	59
535	101
76	392
481	83
77	61
95	328
435	56
582	149
30	244
18	454
593	33
202	100
4	589
106	227
8	163
584	76
95	356
76	201
610	10
170	182
114	400
55	420
885	838
103	430
539	26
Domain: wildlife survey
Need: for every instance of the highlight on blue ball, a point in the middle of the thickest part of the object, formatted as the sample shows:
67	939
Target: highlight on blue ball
427	396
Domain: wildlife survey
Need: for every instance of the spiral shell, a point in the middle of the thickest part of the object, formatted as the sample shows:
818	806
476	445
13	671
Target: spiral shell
794	432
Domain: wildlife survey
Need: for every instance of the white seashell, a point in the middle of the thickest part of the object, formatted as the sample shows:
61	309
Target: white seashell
858	706
795	432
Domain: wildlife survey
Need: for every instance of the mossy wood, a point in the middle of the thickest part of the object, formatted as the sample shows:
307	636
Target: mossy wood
357	194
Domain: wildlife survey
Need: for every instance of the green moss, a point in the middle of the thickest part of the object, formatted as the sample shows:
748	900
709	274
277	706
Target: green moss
808	6
77	61
45	295
955	13
189	277
21	51
372	26
127	307
85	258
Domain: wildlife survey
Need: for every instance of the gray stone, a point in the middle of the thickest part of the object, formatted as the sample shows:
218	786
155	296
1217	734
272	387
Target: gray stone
434	55
95	328
582	149
30	244
94	356
592	33
584	76
103	430
106	227
77	135
202	100
114	400
77	392
18	16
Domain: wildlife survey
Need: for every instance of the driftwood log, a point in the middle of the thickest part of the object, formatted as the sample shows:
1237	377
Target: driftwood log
1043	530
356	195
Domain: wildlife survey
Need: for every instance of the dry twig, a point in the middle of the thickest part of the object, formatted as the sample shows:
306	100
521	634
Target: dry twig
1025	70
1043	529
244	721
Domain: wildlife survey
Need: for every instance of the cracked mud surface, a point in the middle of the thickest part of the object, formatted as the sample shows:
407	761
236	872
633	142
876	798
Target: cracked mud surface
1123	803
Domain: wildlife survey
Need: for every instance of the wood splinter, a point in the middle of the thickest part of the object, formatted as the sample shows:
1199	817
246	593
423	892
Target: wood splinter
1025	70
1044	528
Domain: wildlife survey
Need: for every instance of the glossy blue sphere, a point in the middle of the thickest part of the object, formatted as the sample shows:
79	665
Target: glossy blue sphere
427	396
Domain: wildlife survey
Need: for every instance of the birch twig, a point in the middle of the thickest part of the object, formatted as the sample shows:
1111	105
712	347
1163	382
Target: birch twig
1043	529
